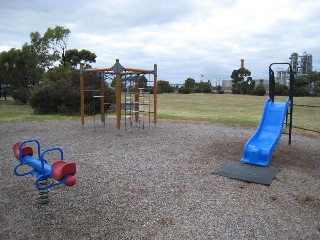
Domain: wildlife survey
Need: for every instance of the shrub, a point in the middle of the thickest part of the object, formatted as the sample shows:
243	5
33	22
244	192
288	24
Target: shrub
235	91
60	92
281	89
300	92
207	90
260	91
21	95
203	87
164	87
316	91
184	90
44	100
219	88
300	87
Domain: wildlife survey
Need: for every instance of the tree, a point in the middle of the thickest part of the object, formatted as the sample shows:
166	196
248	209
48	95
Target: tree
8	65
19	70
142	80
314	81
72	57
51	47
281	89
33	72
203	87
75	57
260	90
240	85
41	50
219	89
56	39
190	83
300	87
164	87
184	90
32	67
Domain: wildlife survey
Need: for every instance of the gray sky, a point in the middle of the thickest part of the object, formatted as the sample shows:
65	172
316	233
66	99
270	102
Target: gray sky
185	38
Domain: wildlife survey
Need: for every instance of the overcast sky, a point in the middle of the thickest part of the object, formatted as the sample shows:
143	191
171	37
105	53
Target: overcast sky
184	38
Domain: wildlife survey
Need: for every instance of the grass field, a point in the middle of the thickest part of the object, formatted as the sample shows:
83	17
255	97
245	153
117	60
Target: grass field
13	112
224	108
231	109
221	108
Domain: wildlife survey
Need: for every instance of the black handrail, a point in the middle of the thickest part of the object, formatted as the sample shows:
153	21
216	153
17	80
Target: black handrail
272	91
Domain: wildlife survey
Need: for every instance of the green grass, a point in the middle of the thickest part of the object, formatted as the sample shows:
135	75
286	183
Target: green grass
222	108
13	112
306	117
232	109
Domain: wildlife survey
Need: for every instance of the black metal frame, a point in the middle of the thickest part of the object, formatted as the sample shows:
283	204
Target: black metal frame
272	93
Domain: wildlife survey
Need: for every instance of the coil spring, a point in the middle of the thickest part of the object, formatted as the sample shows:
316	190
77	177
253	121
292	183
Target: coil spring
43	195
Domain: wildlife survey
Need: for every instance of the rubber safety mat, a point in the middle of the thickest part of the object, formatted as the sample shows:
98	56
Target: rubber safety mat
247	172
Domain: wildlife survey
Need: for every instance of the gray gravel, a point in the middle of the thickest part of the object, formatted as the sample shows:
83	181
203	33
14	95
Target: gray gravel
156	183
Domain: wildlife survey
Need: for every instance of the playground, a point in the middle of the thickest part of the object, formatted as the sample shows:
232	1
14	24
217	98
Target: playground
157	183
127	177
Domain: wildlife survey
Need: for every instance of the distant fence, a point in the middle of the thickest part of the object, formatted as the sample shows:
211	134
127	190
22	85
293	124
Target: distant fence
306	117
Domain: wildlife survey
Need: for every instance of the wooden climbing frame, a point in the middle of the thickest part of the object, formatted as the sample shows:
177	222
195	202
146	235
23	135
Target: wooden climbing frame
118	70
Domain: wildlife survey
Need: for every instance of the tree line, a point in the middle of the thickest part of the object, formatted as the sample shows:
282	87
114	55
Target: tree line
43	72
242	83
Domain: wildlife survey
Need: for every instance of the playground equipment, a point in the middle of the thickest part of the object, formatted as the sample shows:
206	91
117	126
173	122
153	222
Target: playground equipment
138	100
61	171
135	99
262	144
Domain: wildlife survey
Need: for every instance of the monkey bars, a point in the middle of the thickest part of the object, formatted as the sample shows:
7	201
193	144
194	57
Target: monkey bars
118	70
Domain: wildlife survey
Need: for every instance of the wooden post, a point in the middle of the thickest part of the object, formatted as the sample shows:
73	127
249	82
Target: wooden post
82	94
102	97
118	94
155	89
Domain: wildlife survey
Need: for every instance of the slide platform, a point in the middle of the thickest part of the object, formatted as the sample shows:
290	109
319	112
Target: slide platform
261	145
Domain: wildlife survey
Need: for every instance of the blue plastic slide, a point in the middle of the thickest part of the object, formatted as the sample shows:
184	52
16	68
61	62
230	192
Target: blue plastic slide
262	144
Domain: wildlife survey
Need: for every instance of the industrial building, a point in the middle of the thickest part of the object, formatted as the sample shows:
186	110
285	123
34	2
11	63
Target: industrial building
301	66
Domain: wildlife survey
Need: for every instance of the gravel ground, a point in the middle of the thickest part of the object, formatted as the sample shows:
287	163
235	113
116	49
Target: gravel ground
156	183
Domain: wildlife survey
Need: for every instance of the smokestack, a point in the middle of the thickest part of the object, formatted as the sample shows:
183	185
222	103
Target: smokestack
242	63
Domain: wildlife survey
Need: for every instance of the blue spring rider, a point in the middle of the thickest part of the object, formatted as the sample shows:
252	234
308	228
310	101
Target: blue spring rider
62	172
